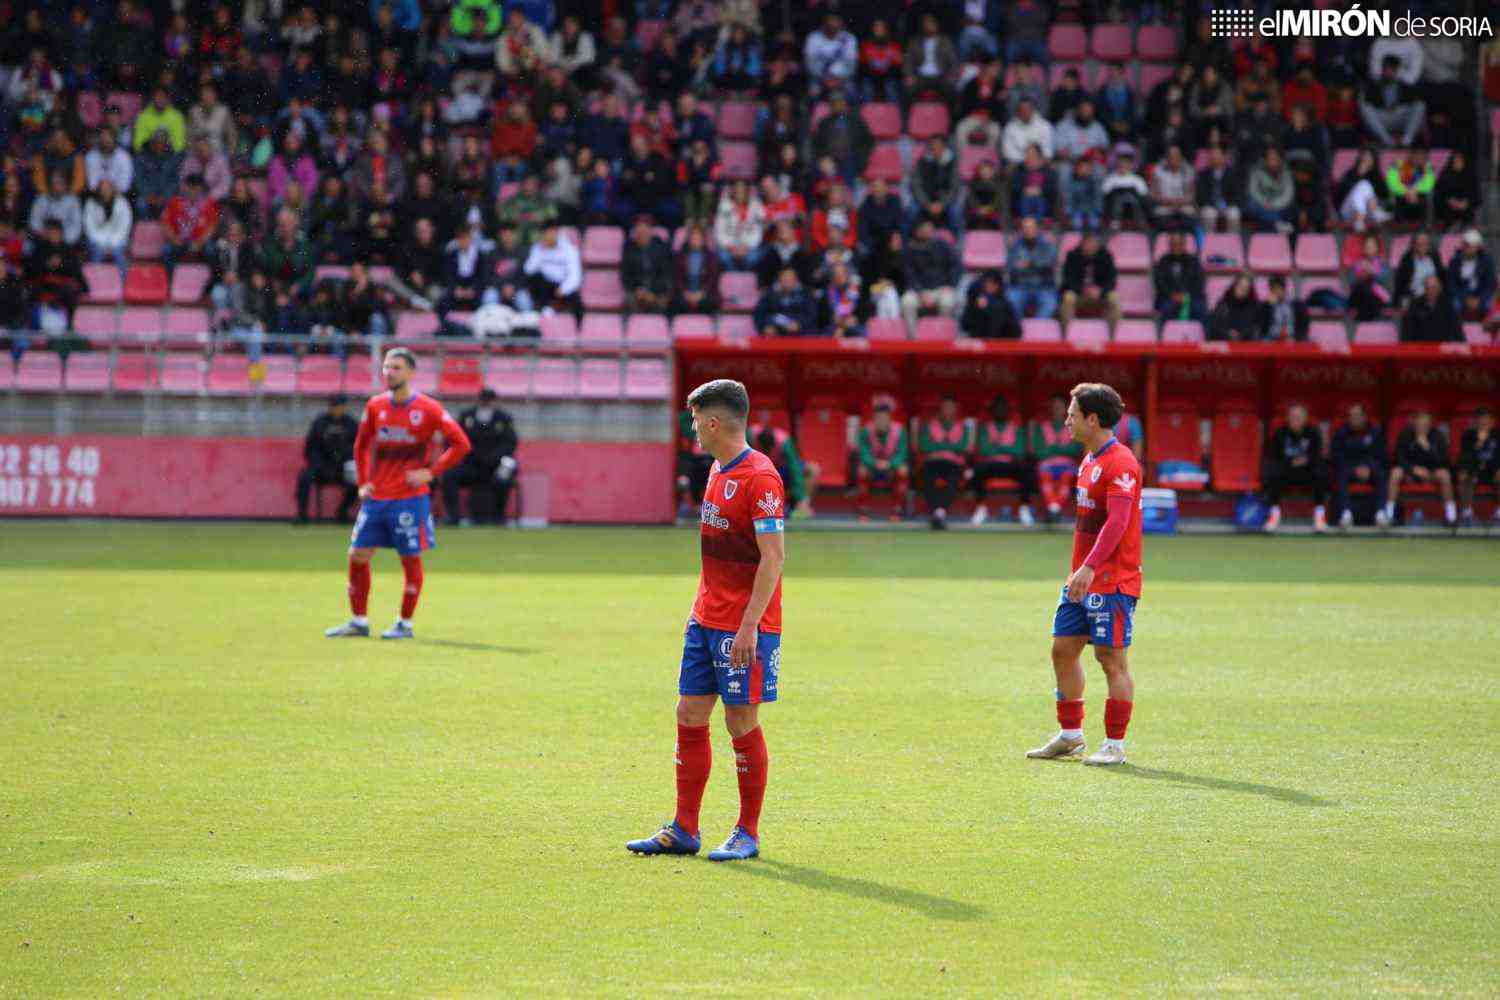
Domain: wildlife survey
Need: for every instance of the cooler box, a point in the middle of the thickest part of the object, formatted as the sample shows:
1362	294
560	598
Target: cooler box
1159	511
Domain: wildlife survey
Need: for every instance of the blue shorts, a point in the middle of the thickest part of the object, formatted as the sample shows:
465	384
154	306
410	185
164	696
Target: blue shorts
403	525
1107	619
706	668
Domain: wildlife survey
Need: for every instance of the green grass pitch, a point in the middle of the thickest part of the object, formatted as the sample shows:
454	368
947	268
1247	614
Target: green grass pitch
202	796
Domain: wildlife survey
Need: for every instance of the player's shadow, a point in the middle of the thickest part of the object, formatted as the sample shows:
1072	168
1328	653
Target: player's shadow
806	877
481	647
1223	785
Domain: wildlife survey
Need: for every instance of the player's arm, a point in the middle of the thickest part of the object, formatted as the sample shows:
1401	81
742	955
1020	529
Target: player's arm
364	442
458	445
1119	502
770	537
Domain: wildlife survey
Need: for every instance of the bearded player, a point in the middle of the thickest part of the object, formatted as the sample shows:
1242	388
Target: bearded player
732	647
1098	601
391	452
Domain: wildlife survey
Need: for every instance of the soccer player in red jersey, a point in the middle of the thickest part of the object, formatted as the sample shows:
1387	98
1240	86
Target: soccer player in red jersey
392	452
732	646
1098	601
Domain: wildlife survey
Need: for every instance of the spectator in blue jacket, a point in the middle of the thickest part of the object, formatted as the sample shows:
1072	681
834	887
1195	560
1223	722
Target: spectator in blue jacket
1359	457
1032	272
786	309
606	131
1471	277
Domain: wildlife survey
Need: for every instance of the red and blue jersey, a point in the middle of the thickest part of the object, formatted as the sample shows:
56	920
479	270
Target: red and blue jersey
742	499
1112	471
396	438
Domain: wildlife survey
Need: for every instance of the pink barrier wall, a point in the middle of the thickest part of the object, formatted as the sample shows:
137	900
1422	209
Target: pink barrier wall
104	476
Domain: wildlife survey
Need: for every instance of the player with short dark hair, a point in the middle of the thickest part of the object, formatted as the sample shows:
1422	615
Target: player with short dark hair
391	453
1098	601
732	646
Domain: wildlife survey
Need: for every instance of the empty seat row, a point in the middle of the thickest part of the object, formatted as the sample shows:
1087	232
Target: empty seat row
146	284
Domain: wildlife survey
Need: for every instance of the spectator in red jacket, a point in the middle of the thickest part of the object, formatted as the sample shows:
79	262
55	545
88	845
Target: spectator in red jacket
191	220
837	214
512	141
1305	90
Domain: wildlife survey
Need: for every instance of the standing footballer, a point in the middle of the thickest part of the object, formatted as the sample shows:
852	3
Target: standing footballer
1098	601
391	452
732	647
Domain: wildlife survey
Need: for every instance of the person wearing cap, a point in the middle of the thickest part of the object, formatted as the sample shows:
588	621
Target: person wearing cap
555	271
489	470
191	219
882	457
329	453
1471	277
646	269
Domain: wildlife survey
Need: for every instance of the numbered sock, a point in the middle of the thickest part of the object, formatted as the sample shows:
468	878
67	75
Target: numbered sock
1070	717
1116	718
411	566
694	759
752	762
359	587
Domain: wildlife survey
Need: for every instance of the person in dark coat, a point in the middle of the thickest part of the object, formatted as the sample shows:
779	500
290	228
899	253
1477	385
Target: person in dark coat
329	451
1294	457
786	309
489	469
1359	457
1178	278
646	270
697	270
1238	314
1431	318
987	312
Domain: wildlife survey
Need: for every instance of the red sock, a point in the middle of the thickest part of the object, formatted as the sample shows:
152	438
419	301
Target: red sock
694	759
752	763
1070	714
412	567
359	587
1116	717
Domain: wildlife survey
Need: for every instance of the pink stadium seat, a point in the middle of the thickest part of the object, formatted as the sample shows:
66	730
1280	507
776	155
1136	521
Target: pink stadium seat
331	272
281	374
509	377
555	378
1439	159
600	378
1317	253
7	373
1153	75
559	328
1066	243
1067	43
736	328
984	249
229	375
737	119
1136	296
1215	287
1182	331
90	109
927	119
87	372
738	160
937	328
603	246
970	157
140	325
147	240
95	323
1399	245
819	112
1329	336
128	102
1309	285
134	372
1222	253
646	330
602	290
40	371
883	118
104	284
1375	334
1135	331
692	326
1088	333
737	291
1111	42
412	325
320	375
1475	335
187	327
647	379
1156	43
425	380
885	162
1449	245
1040	331
189	283
461	375
381	273
359	373
601	328
1131	251
886	329
182	373
1270	253
146	284
1343	162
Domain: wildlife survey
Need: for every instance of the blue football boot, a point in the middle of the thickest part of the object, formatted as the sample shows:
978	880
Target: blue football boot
739	847
400	630
670	839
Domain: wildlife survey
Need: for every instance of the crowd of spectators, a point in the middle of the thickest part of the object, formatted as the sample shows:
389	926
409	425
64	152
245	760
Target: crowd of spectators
460	144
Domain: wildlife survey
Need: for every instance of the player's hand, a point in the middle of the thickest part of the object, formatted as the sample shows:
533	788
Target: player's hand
1078	583
367	491
418	477
742	653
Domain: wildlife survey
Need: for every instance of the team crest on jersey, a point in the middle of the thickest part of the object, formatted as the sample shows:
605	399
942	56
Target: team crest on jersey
1094	476
730	488
416	417
1096	601
770	504
406	519
726	646
1125	481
